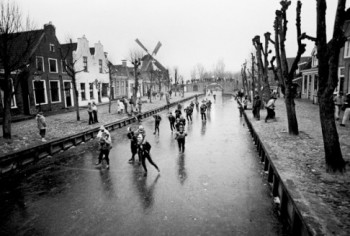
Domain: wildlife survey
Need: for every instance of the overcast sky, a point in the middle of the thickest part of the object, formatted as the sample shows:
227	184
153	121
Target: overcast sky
191	31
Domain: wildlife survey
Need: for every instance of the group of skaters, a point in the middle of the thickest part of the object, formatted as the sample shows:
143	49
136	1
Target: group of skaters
140	146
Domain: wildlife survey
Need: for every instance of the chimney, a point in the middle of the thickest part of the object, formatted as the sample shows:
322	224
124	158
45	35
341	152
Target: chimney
50	29
124	63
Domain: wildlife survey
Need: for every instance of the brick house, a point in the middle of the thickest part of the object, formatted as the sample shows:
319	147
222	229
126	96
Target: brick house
44	84
92	79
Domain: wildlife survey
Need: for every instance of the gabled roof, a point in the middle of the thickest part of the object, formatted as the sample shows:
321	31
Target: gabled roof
22	45
124	70
67	49
290	61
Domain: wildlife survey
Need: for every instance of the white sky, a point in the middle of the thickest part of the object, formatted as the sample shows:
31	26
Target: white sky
191	31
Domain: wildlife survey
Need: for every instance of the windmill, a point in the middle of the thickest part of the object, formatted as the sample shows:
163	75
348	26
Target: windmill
150	60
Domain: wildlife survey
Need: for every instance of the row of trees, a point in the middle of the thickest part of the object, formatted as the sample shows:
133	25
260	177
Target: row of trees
328	56
218	70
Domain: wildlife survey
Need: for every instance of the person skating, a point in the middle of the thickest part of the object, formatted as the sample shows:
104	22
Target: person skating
89	110
189	111
178	112
105	141
157	119
41	121
270	107
197	105
172	119
214	95
133	145
181	138
94	112
144	148
208	104
203	110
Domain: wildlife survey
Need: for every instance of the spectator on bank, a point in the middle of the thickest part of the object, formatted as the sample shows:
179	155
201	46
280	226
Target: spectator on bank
346	108
41	125
94	112
338	103
125	101
270	107
256	107
89	110
121	106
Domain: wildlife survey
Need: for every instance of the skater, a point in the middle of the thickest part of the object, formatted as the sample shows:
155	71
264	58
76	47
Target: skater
189	111
178	112
270	107
203	109
209	104
94	112
89	110
245	102
181	138
41	125
157	119
197	104
105	145
144	149
125	101
172	119
214	95
133	145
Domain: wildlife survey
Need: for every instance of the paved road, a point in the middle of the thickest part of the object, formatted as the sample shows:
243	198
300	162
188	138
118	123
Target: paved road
214	188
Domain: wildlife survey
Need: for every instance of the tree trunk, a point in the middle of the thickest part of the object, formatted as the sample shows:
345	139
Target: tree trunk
291	114
6	126
328	57
76	98
136	84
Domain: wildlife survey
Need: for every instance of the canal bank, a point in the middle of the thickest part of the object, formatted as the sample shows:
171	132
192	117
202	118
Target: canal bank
312	201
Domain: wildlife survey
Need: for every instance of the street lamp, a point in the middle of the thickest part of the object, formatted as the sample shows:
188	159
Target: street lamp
37	78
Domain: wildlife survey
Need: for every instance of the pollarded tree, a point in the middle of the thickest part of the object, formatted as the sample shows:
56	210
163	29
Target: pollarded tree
328	59
285	74
135	58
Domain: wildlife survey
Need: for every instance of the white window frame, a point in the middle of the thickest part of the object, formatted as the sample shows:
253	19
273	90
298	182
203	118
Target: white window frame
36	62
80	92
53	47
56	65
347	49
62	66
87	64
100	66
45	92
59	91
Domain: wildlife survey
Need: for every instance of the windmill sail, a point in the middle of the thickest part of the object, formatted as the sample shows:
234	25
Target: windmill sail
141	45
156	49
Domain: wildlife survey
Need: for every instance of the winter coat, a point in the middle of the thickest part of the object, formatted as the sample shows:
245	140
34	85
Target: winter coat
41	121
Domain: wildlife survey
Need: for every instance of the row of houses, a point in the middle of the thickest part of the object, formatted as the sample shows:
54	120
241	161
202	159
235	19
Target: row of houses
47	85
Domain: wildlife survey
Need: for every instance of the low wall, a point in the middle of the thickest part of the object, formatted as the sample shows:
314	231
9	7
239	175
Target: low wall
18	160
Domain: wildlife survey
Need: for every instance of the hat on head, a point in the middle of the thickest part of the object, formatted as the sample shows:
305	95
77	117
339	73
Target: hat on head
102	127
141	127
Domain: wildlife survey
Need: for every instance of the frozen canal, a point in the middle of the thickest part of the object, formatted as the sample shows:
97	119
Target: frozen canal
214	188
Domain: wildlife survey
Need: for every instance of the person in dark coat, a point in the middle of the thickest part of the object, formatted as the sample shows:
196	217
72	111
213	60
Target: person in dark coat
172	119
144	149
181	138
133	145
157	119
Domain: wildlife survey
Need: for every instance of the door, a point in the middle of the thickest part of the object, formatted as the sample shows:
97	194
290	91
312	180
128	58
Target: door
68	94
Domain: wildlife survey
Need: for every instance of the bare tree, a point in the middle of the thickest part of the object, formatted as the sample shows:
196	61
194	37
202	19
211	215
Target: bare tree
244	78
70	65
110	70
135	57
285	74
328	60
16	53
219	68
176	77
200	71
193	74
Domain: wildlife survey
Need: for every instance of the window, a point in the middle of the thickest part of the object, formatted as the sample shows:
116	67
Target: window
82	91
55	91
52	47
52	65
40	63
13	100
91	89
64	66
85	62
105	89
100	65
347	49
39	92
